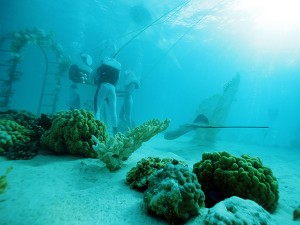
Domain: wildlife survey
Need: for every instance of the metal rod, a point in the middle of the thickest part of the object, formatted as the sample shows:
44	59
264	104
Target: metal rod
200	126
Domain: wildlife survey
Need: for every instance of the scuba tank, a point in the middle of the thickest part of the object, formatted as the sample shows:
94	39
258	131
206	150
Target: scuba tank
79	72
108	72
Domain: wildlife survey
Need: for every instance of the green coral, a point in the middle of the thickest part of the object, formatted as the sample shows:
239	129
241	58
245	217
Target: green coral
119	147
28	120
71	132
174	193
11	133
24	151
138	177
3	182
244	177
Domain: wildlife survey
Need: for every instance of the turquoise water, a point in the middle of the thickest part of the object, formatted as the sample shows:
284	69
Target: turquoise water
184	52
183	58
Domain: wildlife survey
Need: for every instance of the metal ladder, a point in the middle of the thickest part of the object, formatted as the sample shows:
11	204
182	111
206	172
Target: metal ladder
51	84
6	89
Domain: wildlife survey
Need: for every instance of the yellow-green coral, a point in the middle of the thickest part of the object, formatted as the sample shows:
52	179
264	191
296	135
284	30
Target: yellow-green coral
138	177
119	147
3	182
11	133
71	132
244	177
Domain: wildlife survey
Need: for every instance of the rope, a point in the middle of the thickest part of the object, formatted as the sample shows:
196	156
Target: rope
150	25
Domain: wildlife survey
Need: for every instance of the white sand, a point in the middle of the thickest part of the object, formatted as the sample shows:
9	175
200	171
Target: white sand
73	191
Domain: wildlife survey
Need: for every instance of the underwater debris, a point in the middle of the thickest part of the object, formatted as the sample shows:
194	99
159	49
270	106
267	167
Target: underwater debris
216	108
3	182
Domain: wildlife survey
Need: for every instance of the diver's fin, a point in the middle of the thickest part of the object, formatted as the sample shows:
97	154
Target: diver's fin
171	135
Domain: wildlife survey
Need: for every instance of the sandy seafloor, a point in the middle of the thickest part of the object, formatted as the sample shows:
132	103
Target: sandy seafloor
73	191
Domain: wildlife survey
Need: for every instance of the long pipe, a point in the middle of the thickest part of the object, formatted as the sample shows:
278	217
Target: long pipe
200	126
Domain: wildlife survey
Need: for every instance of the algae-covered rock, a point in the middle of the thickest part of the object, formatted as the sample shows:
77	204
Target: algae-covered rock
71	132
235	210
138	177
174	193
119	147
245	177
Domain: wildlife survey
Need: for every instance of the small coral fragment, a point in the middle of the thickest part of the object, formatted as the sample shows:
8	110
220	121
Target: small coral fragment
236	210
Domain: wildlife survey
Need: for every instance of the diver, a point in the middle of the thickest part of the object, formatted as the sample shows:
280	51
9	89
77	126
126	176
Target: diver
106	77
79	73
131	83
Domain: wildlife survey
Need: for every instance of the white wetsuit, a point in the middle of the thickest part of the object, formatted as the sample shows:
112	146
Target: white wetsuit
131	83
74	97
107	95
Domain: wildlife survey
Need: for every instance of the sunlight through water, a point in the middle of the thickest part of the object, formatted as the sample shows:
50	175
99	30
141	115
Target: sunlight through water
271	25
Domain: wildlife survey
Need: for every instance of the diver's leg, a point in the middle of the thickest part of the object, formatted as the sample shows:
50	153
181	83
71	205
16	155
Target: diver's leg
128	102
101	96
74	97
112	100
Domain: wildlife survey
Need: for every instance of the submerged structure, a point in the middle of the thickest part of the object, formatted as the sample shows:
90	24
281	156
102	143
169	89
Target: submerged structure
216	108
12	48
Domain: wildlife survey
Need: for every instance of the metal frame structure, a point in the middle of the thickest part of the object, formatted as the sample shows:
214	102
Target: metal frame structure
8	68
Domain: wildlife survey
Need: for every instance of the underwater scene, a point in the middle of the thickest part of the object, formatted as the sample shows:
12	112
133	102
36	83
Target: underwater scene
149	112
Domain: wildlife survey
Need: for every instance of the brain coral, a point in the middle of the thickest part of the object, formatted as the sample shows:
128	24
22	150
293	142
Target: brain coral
174	193
138	177
71	132
235	210
244	177
11	133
